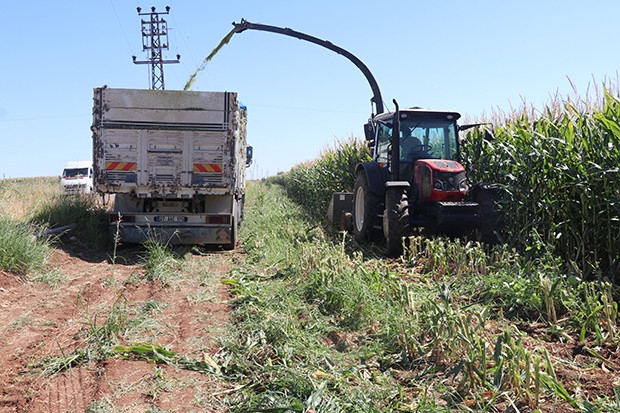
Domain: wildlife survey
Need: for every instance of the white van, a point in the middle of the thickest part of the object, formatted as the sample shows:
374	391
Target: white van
77	177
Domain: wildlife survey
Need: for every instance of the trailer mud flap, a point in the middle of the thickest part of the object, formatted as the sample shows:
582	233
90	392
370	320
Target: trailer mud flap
175	236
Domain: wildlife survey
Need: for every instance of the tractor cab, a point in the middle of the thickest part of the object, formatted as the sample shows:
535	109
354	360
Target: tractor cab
428	152
423	134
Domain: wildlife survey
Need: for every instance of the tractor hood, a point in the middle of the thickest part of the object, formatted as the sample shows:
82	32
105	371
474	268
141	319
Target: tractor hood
443	165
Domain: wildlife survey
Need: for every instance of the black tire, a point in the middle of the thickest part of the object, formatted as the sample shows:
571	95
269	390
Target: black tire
487	196
366	206
395	220
241	213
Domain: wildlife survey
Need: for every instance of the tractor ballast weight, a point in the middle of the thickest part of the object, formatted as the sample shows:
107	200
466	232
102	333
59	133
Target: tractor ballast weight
415	178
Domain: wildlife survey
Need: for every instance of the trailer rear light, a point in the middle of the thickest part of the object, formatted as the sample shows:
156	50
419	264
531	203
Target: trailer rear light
114	218
218	219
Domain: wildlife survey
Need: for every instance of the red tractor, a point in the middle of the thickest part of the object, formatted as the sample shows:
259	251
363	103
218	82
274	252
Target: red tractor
415	179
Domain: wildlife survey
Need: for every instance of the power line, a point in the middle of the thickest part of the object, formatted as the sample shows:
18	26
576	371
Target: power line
121	26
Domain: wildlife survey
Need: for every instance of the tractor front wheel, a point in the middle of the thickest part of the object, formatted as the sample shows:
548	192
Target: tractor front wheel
365	210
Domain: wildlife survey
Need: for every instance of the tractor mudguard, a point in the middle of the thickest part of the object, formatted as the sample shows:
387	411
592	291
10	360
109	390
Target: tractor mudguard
376	177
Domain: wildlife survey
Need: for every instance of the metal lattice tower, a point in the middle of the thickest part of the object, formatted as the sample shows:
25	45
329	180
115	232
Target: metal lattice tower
154	41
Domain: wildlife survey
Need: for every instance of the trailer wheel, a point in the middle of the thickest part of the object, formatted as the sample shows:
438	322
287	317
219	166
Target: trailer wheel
487	197
365	210
395	220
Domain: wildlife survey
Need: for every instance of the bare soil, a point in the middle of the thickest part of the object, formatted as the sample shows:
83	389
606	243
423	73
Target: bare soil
42	323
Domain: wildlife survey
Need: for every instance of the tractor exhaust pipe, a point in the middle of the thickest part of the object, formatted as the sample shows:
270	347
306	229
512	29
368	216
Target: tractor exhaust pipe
396	142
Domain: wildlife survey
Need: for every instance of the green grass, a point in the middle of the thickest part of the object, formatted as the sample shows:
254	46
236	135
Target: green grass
21	251
160	261
55	278
84	211
324	323
31	207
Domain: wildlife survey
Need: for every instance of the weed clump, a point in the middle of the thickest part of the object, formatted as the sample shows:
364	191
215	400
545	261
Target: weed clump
21	252
84	211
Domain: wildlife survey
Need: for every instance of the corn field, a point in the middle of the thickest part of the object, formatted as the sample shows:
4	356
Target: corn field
312	183
561	174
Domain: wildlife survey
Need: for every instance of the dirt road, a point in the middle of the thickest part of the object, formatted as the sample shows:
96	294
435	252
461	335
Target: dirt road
88	295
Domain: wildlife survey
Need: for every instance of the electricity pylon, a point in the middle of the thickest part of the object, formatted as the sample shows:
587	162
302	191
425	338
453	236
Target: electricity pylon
154	40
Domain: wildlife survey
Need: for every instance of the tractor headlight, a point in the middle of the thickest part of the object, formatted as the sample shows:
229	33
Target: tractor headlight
438	185
463	185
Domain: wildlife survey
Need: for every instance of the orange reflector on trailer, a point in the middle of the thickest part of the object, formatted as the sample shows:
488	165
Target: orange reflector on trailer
207	167
120	166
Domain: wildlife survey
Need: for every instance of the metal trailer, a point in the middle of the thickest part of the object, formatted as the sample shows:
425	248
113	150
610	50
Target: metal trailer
173	162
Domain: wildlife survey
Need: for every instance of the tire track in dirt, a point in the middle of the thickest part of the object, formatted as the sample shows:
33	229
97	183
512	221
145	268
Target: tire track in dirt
40	322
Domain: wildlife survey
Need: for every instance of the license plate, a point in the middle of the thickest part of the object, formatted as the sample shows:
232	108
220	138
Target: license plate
170	218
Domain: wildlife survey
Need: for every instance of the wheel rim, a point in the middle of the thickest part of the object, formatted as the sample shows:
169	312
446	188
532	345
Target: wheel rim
359	208
386	225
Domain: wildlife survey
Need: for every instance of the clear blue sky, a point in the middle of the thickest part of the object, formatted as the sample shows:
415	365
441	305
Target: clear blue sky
475	57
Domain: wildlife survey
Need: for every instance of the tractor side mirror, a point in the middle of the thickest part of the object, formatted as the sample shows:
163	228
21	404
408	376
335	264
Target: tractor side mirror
488	134
472	125
369	131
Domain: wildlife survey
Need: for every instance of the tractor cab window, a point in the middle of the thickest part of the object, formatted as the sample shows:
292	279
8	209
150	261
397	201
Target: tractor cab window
382	149
419	139
428	138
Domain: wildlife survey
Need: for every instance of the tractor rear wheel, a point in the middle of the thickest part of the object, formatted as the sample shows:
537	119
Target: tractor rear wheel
396	220
365	210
